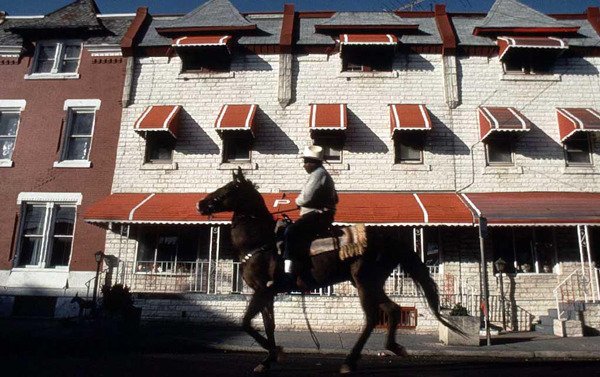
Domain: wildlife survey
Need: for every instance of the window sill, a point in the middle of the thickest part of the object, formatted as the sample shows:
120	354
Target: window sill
73	164
205	75
368	75
530	77
6	163
490	169
160	166
41	269
52	76
235	165
411	167
581	170
336	166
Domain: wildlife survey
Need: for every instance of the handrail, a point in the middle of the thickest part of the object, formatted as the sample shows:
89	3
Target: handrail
582	283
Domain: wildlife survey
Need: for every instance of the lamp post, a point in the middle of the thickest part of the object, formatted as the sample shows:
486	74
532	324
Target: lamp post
500	267
99	256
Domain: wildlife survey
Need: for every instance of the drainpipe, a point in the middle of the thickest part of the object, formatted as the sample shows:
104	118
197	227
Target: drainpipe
449	62
284	90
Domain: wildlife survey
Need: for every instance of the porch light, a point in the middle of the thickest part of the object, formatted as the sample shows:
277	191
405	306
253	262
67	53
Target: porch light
99	255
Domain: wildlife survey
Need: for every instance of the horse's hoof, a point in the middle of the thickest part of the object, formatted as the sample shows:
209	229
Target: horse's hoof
261	368
281	355
345	369
397	350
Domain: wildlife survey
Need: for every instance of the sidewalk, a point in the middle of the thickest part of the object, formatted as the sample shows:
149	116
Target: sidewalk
172	337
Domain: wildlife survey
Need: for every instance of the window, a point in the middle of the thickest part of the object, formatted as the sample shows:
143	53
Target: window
525	250
170	250
529	62
9	123
332	144
577	149
408	148
80	125
159	147
499	150
57	57
46	236
237	149
367	59
204	59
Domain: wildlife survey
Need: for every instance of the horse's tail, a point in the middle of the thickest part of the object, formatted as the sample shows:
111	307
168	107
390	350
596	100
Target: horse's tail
418	271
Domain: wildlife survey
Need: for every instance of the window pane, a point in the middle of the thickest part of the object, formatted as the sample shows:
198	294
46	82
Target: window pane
499	152
34	220
64	221
44	66
45	62
236	150
71	51
68	66
166	249
7	145
61	250
8	124
159	147
81	123
407	151
31	248
78	148
578	149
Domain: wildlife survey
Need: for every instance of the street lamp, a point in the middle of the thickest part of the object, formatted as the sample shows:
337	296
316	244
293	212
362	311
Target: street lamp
99	256
500	267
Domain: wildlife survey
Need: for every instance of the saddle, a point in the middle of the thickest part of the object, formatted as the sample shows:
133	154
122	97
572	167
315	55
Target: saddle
348	241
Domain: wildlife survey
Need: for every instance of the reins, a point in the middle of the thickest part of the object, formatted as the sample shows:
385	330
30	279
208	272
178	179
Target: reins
284	211
310	330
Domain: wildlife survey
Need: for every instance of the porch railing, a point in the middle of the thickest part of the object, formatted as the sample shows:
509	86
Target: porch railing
574	290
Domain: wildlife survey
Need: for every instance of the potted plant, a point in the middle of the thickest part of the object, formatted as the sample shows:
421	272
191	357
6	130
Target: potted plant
459	317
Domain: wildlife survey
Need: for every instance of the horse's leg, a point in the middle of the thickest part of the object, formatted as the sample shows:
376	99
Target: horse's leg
258	302
393	313
275	353
369	307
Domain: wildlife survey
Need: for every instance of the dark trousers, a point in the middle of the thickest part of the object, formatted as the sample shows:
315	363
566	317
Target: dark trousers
301	233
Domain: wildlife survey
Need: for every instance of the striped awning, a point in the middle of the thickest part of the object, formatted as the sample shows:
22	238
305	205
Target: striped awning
405	117
572	120
236	118
202	41
163	118
330	116
500	119
368	39
509	45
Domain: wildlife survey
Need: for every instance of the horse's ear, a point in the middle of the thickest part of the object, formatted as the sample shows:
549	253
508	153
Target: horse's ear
240	174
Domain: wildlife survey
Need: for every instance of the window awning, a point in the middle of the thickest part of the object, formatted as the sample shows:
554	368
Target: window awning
572	120
409	118
202	41
501	119
237	118
383	209
537	208
328	116
368	39
511	45
159	118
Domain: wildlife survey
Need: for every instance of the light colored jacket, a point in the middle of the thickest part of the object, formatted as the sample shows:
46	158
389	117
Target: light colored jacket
318	193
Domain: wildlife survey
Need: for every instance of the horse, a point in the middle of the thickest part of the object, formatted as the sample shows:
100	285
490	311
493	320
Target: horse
253	236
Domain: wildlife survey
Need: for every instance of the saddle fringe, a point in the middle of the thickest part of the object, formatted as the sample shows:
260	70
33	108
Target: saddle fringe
357	237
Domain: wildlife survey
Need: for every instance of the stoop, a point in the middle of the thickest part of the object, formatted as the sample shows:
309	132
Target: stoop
568	328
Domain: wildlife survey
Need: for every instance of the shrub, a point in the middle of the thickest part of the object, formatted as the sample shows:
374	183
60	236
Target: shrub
459	310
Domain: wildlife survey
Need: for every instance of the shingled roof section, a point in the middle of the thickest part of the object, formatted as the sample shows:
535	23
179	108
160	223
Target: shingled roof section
513	14
80	14
364	19
213	13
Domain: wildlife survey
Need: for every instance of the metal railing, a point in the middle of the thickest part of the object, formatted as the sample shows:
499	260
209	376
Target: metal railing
572	292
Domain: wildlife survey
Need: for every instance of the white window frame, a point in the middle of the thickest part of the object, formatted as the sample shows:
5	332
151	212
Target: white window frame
226	142
72	106
40	199
590	145
58	59
492	163
12	107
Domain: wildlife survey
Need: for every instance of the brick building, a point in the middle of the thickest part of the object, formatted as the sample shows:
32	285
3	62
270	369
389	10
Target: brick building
429	120
60	111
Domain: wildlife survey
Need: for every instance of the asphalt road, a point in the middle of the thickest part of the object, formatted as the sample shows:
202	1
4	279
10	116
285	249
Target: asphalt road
241	364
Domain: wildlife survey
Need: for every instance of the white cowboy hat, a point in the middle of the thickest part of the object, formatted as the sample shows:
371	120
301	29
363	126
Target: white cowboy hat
313	152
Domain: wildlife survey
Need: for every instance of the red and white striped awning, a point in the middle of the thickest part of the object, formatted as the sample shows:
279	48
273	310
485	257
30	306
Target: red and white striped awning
509	44
330	116
536	208
237	118
368	39
501	119
382	209
405	117
159	118
202	41
572	120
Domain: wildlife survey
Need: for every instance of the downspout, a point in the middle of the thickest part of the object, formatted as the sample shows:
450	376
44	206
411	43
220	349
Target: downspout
284	90
128	43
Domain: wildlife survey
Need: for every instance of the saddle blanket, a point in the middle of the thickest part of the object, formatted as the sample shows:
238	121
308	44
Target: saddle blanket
349	241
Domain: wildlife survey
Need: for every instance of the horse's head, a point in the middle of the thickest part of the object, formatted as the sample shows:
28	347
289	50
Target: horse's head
228	197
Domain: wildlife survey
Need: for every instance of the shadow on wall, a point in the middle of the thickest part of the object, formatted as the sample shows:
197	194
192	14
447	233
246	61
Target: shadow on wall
547	148
196	140
360	138
271	139
249	62
407	60
572	64
441	135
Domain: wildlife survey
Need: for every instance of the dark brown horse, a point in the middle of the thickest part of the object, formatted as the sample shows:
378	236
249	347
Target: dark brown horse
252	234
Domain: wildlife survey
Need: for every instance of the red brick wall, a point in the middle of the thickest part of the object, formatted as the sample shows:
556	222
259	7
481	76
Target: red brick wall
37	140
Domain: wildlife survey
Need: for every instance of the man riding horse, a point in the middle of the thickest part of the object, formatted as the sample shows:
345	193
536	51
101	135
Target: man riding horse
317	202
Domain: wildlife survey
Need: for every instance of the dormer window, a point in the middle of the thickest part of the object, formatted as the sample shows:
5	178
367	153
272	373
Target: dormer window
368	52
57	57
204	53
530	55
